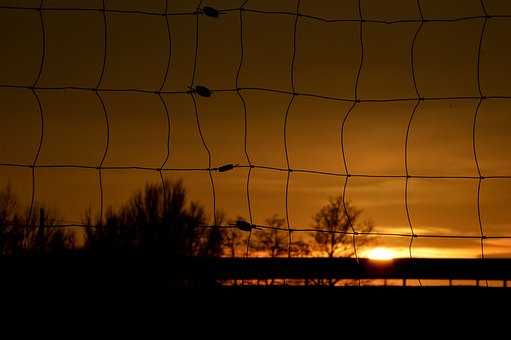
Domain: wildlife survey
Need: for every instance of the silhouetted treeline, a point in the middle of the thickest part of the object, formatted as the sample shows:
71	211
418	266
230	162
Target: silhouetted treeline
159	220
146	239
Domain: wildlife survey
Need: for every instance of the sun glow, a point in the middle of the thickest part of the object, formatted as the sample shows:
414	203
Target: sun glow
380	253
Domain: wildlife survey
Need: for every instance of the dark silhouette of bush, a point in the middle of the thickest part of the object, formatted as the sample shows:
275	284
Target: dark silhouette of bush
157	220
31	232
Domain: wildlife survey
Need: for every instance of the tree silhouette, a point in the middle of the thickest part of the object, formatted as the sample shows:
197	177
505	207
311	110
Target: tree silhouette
231	242
11	237
156	220
213	238
275	242
31	232
334	222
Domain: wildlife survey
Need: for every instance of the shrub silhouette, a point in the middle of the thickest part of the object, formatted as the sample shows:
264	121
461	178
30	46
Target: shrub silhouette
156	220
31	232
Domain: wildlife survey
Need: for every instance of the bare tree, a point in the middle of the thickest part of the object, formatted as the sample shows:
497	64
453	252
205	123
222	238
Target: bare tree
232	242
31	232
11	237
275	240
334	223
213	237
232	238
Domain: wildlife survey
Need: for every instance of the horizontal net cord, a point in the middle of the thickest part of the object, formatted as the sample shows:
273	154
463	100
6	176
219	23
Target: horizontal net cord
258	89
263	12
253	166
293	229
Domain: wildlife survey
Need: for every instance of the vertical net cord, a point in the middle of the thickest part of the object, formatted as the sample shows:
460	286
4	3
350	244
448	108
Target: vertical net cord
407	135
352	107
105	112
164	104
245	128
195	105
289	170
41	113
474	127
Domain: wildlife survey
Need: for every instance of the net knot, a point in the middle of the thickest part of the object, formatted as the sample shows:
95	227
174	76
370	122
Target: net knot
210	12
202	91
226	167
243	225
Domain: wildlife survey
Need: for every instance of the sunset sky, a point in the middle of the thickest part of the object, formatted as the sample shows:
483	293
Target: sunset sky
327	59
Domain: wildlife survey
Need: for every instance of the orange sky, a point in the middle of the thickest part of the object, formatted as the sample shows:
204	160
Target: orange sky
326	63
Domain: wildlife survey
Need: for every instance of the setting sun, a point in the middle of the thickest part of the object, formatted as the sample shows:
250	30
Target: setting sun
380	253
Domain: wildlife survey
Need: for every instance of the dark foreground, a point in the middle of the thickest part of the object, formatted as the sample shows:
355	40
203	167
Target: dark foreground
137	272
189	288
